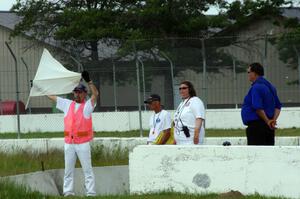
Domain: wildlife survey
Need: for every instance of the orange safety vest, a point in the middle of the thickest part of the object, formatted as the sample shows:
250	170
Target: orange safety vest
78	129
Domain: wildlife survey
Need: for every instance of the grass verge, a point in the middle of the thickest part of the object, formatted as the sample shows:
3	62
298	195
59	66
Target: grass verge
25	162
9	190
209	133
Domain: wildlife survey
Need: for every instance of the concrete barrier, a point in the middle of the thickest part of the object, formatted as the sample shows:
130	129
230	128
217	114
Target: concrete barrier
111	180
47	144
111	144
127	121
270	171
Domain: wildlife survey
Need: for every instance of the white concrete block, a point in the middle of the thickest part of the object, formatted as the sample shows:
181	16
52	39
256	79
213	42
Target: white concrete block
270	171
279	141
43	145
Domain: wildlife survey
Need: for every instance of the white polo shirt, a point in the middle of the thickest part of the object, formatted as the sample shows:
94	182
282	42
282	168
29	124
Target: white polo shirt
64	105
186	114
158	122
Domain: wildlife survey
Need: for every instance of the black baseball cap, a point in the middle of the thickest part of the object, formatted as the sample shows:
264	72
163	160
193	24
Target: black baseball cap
152	98
80	87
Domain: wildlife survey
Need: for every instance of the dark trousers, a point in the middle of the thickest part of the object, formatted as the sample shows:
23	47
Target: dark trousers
259	133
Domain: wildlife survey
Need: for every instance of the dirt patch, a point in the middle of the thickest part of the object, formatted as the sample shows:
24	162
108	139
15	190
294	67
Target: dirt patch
231	195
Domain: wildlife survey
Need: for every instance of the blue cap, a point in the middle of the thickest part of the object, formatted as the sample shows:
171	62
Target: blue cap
80	87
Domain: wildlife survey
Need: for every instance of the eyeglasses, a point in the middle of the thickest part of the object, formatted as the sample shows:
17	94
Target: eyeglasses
78	91
183	88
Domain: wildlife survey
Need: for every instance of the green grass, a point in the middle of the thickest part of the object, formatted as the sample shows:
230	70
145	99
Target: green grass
241	132
9	190
61	134
209	133
25	162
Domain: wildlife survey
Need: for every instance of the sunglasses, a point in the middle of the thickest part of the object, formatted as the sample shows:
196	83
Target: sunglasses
183	88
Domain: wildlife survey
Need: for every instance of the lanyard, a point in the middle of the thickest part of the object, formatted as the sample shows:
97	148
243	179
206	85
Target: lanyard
179	111
155	121
180	108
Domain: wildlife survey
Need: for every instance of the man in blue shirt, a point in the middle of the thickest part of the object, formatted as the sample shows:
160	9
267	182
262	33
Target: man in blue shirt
261	108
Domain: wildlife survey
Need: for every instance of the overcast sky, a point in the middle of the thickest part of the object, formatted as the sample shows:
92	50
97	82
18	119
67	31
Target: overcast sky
6	4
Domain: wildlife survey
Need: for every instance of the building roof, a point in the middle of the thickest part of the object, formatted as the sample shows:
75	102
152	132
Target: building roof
9	19
293	12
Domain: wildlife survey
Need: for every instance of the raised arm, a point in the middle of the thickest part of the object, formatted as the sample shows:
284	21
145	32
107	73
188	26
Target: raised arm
52	97
95	93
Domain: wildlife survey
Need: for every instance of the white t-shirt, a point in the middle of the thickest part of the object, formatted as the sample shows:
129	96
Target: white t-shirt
159	122
64	105
186	114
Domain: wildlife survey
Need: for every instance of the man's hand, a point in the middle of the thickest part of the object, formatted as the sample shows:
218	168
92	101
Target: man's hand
272	124
85	75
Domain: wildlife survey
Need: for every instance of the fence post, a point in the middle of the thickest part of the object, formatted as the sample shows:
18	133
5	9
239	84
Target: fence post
172	77
204	89
114	84
28	82
143	79
265	64
17	87
298	61
234	82
138	88
79	65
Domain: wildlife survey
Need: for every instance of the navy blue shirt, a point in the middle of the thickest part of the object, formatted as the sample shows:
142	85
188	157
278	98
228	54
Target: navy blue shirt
262	95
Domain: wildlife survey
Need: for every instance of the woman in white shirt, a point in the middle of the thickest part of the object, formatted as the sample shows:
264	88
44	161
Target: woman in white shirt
189	116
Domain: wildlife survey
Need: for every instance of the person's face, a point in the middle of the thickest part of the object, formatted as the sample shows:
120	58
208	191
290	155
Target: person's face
79	96
153	105
252	76
184	91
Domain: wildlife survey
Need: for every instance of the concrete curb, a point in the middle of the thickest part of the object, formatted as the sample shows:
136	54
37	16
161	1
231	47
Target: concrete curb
110	180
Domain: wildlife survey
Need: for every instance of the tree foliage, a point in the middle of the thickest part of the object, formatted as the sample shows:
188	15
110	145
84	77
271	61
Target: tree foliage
150	27
109	20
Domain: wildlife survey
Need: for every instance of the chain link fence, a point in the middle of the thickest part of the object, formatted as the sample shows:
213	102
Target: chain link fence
126	73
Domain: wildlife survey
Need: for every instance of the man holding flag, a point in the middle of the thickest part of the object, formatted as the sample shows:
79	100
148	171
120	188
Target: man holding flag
78	134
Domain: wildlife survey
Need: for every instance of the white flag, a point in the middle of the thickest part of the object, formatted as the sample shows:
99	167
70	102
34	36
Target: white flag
52	78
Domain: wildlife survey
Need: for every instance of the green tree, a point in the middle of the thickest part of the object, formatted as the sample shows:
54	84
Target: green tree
92	21
74	22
